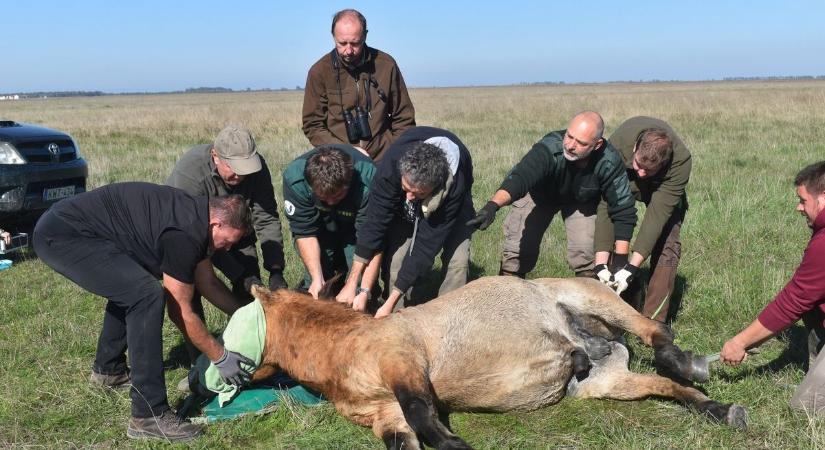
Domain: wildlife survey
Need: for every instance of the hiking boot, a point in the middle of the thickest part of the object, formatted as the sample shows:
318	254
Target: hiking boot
166	426
117	381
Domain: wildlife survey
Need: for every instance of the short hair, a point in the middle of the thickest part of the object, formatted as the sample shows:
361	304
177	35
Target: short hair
349	13
424	165
812	177
328	170
233	210
654	148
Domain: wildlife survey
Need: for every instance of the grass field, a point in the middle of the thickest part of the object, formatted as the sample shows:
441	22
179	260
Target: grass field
741	242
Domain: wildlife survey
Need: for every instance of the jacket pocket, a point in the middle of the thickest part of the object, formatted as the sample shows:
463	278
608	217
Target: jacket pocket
588	194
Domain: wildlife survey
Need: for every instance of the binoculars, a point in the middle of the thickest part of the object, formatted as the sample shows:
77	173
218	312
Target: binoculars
357	121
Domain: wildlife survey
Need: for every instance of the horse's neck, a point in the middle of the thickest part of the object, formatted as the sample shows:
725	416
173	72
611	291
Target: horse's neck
307	337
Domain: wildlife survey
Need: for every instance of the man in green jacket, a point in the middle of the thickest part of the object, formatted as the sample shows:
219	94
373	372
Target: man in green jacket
567	171
355	94
658	165
325	200
232	165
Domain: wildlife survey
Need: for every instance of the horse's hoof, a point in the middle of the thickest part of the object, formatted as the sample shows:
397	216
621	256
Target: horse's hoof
597	347
737	417
699	369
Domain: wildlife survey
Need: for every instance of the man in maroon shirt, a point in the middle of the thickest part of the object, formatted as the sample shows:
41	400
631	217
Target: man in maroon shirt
803	296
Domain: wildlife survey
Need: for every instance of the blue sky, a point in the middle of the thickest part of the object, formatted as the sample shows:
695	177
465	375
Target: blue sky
125	46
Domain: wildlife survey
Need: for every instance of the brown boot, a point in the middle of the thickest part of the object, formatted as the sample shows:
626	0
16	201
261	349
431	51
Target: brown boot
117	381
166	426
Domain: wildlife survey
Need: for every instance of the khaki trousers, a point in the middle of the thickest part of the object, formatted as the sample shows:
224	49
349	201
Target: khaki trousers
524	229
810	394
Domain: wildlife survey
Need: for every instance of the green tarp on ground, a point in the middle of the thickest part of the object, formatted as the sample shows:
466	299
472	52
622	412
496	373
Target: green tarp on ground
259	400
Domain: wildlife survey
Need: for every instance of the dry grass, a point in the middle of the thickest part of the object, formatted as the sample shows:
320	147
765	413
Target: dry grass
741	242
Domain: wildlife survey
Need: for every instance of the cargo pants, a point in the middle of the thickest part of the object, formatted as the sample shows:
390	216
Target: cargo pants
524	229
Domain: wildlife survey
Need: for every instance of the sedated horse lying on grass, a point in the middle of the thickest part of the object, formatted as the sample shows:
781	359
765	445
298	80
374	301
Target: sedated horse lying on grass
497	344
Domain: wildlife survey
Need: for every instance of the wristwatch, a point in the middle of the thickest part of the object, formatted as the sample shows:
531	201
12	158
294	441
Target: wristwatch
361	290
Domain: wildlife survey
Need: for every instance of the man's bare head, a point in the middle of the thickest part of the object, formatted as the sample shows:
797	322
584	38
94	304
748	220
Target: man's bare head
349	32
583	135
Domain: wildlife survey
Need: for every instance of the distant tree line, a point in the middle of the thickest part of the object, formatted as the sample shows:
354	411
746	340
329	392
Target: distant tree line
776	78
197	90
656	80
213	90
206	90
62	94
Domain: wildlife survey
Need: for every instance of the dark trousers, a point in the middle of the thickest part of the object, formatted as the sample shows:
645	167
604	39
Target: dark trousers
664	262
134	312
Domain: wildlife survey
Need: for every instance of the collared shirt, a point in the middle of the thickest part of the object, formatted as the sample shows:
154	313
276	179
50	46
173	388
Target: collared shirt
550	178
663	193
308	216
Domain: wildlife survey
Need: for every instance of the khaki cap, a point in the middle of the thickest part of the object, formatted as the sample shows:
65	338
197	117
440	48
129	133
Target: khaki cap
236	147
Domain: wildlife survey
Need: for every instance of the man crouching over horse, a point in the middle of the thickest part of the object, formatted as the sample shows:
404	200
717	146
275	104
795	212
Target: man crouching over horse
548	338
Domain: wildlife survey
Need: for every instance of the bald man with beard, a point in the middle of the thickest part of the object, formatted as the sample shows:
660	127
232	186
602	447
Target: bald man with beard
568	172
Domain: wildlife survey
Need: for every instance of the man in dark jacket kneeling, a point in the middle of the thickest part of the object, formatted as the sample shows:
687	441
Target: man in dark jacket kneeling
419	201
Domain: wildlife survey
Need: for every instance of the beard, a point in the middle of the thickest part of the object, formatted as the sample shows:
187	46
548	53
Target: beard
571	156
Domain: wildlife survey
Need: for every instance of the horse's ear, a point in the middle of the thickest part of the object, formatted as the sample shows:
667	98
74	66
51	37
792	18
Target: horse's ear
331	286
260	292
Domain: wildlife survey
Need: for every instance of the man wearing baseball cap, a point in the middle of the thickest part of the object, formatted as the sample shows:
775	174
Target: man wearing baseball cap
232	165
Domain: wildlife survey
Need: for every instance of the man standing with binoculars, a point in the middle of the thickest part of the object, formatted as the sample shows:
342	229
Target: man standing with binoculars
355	94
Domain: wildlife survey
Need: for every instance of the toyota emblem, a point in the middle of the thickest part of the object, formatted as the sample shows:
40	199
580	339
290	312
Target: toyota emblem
54	149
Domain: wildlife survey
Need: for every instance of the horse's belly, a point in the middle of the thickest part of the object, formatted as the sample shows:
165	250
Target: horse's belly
524	385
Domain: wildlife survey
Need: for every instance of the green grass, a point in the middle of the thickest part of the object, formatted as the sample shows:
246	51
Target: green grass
741	242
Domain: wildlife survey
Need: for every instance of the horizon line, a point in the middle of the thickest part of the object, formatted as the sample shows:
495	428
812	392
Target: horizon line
220	89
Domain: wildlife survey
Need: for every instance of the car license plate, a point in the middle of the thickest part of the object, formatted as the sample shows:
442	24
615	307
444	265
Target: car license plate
58	193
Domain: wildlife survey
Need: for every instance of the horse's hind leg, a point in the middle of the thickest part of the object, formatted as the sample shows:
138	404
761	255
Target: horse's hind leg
600	309
620	384
596	308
